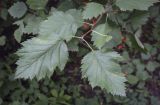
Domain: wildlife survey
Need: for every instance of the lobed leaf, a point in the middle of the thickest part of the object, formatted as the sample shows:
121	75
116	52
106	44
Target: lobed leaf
102	70
58	26
40	57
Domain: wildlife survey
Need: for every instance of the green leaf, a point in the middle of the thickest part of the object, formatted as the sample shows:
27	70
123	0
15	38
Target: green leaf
2	40
19	32
137	35
77	14
66	5
139	18
54	93
132	79
102	70
17	10
1	101
33	24
47	51
99	35
37	5
152	65
4	13
18	35
59	26
142	75
116	38
31	27
93	10
135	4
40	57
155	100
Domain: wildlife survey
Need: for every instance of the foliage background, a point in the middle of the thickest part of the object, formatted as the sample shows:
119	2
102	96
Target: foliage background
67	87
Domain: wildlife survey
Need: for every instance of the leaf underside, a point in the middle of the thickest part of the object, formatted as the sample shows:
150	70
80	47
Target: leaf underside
102	70
40	56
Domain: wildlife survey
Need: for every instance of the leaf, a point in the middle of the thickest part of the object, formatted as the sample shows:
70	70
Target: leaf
142	75
93	10
19	32
137	34
77	14
33	24
138	19
4	13
102	70
37	5
18	35
17	10
99	35
132	79
66	5
31	27
2	40
59	26
152	65
54	93
40	57
116	38
135	4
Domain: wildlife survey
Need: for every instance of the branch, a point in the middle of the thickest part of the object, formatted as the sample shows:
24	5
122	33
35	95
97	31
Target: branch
84	41
94	25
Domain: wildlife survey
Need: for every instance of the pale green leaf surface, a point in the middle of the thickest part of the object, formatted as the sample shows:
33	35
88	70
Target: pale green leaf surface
17	10
77	14
19	32
59	25
102	70
93	10
37	5
39	58
99	35
135	4
137	35
33	24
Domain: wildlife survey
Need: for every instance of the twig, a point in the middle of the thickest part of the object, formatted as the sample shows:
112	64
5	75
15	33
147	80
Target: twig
87	44
84	41
94	25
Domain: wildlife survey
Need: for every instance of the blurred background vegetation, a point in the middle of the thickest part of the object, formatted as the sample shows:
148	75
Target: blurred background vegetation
67	88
